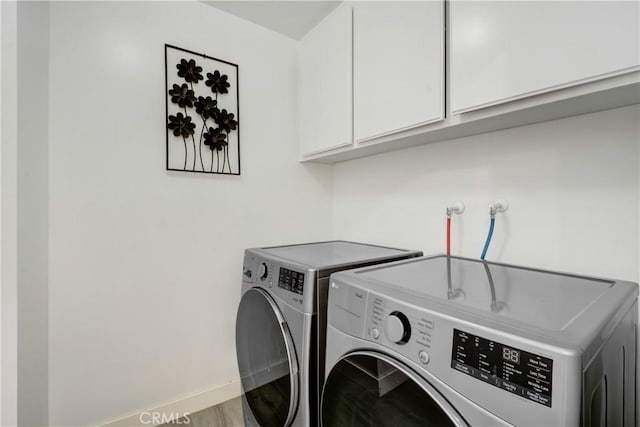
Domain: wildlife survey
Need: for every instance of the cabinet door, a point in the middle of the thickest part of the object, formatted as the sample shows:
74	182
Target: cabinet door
398	70
503	50
325	83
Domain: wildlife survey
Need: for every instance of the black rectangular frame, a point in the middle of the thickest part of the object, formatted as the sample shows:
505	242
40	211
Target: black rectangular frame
166	98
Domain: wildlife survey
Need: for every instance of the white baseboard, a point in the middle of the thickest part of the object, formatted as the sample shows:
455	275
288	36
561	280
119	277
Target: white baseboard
178	408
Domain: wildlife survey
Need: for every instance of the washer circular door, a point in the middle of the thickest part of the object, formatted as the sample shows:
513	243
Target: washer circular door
266	359
371	389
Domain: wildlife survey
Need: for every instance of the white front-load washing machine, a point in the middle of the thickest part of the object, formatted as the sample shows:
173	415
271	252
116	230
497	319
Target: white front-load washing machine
280	326
444	341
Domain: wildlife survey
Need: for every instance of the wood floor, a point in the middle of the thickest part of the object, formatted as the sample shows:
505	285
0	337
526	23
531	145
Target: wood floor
227	414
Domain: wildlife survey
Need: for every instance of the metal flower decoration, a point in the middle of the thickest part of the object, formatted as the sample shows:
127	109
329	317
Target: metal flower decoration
189	70
217	124
181	125
215	139
226	121
217	82
207	107
182	95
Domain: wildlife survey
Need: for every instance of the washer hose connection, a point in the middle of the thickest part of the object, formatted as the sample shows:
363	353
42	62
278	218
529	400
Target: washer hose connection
454	208
500	205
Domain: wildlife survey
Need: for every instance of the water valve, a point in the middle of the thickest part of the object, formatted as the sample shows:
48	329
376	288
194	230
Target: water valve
498	205
456	207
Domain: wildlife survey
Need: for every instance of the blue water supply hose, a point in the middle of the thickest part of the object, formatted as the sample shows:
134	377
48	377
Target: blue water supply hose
488	241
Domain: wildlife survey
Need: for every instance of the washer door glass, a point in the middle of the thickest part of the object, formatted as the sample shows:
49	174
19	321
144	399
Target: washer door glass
369	389
266	359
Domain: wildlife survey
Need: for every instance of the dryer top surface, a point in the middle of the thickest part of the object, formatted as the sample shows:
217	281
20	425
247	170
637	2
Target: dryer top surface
334	254
547	300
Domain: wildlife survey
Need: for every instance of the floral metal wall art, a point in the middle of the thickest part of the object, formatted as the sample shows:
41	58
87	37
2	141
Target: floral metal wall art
202	102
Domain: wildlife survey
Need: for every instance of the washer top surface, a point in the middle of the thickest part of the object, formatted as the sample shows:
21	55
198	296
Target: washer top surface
548	300
332	254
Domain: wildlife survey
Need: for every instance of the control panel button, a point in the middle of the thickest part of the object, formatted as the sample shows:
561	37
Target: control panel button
263	271
423	356
398	328
375	333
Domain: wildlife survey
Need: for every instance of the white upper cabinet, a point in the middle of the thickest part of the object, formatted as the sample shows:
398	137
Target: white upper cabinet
398	66
325	78
507	50
375	76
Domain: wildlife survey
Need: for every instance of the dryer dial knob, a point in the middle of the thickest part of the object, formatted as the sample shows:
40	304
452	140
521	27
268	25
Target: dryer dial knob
398	328
263	271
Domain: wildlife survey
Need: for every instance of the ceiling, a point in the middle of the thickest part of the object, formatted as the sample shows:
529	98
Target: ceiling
291	18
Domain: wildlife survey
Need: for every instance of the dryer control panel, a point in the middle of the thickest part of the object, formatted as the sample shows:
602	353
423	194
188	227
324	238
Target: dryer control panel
517	371
291	280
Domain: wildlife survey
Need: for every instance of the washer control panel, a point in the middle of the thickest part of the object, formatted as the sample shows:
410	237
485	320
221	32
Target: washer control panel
517	371
407	331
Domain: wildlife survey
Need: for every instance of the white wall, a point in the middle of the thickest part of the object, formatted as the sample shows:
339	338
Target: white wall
573	185
144	264
8	213
33	212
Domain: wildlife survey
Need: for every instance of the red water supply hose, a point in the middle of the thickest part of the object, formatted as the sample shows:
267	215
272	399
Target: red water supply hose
448	236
